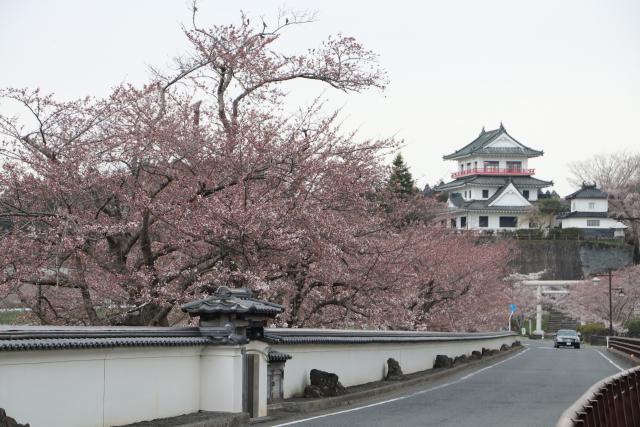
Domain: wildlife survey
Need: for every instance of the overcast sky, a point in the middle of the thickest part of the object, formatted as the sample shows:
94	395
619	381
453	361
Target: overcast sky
563	76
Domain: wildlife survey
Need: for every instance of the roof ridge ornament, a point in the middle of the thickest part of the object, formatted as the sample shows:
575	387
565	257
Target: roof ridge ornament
501	125
482	132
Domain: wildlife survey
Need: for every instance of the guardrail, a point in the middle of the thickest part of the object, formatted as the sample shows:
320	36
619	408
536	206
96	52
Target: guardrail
614	401
630	346
597	340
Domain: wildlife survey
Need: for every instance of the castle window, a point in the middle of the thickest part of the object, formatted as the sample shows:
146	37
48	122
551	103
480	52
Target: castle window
485	194
491	165
463	222
508	221
593	223
525	194
484	221
592	205
514	166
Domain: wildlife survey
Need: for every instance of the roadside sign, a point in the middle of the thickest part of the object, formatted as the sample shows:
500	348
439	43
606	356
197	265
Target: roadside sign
512	308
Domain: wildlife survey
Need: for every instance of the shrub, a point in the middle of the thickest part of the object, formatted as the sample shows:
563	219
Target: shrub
565	234
633	328
589	329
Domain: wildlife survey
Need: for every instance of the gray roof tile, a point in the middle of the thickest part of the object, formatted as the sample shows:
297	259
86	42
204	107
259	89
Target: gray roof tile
479	146
227	300
483	205
15	338
331	336
84	343
494	181
277	356
588	192
576	214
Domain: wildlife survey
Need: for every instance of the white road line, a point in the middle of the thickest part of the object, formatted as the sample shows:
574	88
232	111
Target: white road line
609	360
438	387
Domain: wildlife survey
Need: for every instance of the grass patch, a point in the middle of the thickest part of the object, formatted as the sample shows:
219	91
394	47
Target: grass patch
15	318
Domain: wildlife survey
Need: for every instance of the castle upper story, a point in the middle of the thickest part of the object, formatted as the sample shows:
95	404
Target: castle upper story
494	153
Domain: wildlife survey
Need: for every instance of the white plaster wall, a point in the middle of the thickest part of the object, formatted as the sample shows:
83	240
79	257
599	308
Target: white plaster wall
476	192
582	205
221	379
363	363
104	387
503	141
582	223
473	221
148	383
511	196
53	389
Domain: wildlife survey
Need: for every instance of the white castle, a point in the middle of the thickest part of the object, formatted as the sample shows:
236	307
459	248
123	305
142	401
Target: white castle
493	188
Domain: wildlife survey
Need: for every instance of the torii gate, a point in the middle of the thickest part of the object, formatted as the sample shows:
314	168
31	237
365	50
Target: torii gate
547	287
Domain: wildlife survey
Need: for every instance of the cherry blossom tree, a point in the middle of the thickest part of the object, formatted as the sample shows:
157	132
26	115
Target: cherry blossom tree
590	302
116	210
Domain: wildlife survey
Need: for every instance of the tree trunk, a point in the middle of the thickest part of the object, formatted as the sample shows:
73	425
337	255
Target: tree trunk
149	315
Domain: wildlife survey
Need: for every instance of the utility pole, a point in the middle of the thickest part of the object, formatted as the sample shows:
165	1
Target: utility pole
610	308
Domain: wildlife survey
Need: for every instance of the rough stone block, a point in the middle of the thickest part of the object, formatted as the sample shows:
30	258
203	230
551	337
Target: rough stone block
443	361
323	384
394	371
475	355
460	360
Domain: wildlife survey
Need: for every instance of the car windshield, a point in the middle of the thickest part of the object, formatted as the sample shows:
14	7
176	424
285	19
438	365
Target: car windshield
567	332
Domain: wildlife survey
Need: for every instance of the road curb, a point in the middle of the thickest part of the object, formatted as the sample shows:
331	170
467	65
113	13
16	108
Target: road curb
313	405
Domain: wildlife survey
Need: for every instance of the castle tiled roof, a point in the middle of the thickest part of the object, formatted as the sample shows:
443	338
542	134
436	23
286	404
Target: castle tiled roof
576	214
480	146
587	192
483	205
494	181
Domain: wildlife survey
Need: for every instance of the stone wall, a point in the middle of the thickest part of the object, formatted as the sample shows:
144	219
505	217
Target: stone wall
571	259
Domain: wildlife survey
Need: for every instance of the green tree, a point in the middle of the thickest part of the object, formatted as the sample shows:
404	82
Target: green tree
546	210
401	180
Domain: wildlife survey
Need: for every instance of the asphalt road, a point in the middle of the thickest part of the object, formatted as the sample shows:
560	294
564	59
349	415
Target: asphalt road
531	388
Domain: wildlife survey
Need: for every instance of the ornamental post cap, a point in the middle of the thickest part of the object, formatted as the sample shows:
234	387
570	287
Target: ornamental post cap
227	300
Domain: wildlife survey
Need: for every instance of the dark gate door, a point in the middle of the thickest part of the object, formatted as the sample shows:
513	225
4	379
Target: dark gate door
250	386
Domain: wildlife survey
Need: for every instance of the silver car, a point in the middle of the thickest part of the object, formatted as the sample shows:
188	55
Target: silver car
566	338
